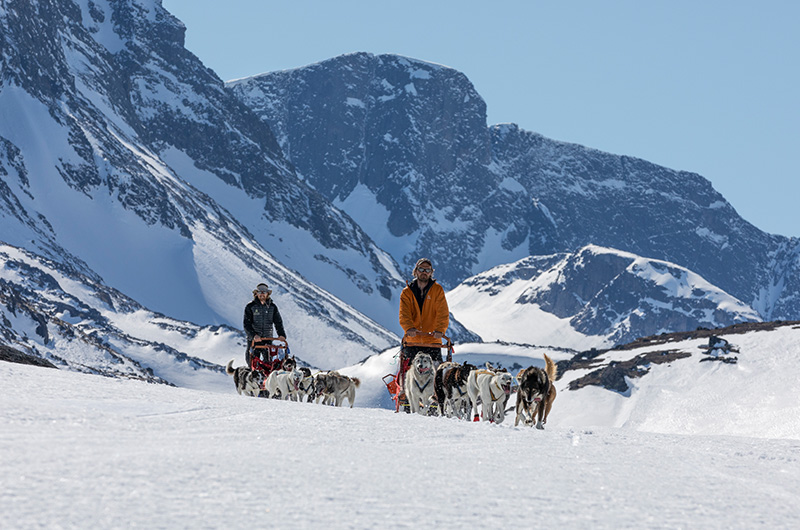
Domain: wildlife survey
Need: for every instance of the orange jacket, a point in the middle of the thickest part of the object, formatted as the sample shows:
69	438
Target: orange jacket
435	315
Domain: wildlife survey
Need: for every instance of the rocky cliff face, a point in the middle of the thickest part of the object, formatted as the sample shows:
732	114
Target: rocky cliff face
407	143
402	146
649	210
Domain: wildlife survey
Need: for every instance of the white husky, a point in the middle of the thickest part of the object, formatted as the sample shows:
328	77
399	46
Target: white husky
419	383
288	383
493	388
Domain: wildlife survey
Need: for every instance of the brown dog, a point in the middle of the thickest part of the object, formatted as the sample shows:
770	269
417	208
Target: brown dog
536	393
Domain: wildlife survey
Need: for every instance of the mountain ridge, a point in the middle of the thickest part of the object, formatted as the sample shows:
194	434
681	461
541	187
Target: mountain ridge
440	182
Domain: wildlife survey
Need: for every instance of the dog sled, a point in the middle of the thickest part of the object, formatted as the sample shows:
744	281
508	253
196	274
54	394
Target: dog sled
266	356
395	383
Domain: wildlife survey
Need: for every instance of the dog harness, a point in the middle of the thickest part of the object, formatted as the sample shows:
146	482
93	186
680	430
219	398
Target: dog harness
492	393
423	387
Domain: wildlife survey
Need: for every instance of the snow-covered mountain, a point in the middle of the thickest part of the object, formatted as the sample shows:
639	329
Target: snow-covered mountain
124	158
592	298
121	151
129	166
403	146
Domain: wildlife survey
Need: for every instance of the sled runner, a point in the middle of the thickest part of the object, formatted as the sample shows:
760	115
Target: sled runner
395	383
266	356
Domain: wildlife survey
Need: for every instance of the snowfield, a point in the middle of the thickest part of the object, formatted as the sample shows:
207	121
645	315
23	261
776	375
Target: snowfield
84	451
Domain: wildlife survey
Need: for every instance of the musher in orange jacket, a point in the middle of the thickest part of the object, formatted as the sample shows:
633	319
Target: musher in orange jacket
423	309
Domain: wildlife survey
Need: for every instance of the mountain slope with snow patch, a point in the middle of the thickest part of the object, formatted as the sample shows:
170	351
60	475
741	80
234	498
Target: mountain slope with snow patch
595	297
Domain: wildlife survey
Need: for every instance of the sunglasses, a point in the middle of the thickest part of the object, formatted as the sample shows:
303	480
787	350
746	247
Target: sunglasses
424	269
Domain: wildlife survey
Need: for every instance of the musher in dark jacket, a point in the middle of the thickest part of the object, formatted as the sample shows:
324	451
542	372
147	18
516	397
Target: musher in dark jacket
259	317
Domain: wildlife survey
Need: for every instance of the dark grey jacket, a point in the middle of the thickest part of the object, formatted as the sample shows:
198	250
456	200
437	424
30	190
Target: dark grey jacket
259	319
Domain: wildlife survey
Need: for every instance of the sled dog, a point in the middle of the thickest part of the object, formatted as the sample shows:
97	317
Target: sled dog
306	389
247	381
283	384
333	387
419	383
288	364
536	393
493	387
450	388
320	384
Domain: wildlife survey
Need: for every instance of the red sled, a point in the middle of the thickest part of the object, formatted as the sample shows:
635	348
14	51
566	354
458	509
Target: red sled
265	356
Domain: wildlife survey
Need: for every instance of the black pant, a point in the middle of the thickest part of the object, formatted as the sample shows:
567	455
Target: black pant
409	352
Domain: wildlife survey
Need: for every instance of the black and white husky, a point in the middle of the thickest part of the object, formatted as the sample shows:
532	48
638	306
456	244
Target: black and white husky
306	390
450	384
248	382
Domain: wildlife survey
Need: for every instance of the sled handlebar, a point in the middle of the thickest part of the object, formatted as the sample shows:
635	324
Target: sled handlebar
408	340
262	343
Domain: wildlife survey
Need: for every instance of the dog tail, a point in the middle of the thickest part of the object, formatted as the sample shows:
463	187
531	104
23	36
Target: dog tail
229	369
356	381
550	368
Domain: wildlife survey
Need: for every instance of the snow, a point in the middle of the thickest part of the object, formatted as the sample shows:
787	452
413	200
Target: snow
369	213
720	240
85	451
493	253
355	102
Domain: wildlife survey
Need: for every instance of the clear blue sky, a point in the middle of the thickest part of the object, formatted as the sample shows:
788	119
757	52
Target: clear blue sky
709	86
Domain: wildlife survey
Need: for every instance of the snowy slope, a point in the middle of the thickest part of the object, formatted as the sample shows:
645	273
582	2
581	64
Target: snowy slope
55	312
748	391
83	451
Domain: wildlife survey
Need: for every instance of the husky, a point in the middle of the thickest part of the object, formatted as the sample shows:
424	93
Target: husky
333	387
289	363
248	382
284	384
492	387
320	385
450	388
306	389
536	393
419	383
